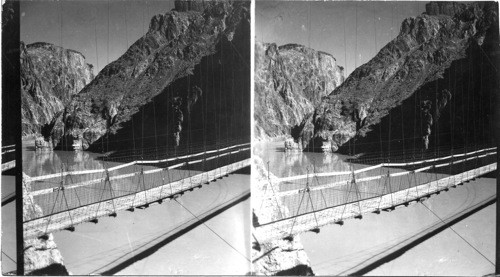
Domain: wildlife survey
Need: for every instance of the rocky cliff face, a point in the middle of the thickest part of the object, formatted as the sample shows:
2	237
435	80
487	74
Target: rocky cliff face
290	81
200	110
50	77
426	46
175	42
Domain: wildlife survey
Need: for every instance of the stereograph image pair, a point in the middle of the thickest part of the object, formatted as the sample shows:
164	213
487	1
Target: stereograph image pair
196	137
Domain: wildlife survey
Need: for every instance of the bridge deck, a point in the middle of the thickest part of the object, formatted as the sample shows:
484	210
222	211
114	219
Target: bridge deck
72	217
305	222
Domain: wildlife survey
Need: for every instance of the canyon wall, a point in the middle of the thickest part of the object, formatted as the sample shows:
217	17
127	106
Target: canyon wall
175	43
454	111
426	46
208	107
50	77
290	81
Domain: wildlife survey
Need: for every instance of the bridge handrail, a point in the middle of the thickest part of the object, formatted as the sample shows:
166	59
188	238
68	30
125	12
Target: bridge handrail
5	151
93	171
8	151
192	155
340	173
276	227
371	178
127	175
441	158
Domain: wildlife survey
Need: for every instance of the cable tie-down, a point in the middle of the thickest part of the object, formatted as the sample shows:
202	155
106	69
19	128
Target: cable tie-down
107	176
305	190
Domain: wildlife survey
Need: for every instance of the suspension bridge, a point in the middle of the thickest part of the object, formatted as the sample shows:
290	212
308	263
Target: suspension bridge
204	106
68	198
392	178
307	202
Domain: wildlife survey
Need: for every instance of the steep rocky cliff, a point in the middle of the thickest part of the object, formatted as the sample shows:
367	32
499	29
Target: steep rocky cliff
290	81
456	110
426	46
208	107
175	43
50	77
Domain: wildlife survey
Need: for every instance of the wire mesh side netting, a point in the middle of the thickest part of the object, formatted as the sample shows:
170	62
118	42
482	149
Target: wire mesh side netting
59	194
387	186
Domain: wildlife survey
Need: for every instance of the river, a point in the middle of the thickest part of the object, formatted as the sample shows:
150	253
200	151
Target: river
219	246
336	249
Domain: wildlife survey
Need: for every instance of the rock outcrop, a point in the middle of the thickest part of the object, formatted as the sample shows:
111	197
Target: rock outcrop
174	44
41	256
50	77
426	46
290	81
276	257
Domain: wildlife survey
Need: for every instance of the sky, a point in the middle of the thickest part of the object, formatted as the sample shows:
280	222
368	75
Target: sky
78	24
320	25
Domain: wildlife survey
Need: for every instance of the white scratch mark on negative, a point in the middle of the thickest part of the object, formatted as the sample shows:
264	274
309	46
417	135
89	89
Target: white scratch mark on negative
129	243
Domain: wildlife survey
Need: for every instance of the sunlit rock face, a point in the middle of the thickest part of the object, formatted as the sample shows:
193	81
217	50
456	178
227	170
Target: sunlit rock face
425	48
50	77
290	81
175	42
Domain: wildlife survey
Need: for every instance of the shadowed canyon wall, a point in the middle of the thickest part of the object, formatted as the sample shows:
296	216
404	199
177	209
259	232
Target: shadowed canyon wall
175	43
426	47
456	110
209	107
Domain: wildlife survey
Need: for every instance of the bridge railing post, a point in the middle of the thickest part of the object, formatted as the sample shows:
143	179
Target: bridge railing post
388	182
